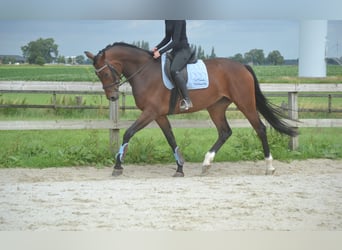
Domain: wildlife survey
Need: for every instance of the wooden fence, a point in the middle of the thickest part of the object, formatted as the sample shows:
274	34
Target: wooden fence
114	124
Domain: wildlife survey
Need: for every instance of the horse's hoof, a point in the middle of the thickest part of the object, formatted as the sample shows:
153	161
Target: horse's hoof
117	172
178	174
270	171
205	169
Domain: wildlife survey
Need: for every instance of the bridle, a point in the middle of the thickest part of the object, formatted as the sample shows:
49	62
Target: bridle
116	75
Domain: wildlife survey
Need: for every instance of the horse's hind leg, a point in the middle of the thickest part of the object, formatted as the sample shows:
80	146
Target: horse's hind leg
260	129
217	113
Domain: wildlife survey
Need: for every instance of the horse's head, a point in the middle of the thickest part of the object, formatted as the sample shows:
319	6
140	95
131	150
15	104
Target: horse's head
108	74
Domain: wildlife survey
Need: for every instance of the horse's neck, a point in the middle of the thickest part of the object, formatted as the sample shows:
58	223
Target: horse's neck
144	76
134	63
137	66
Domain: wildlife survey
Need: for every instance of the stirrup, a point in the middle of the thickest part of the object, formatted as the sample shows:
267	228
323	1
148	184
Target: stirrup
185	104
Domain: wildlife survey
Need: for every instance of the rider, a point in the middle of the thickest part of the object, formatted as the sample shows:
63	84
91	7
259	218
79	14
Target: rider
176	39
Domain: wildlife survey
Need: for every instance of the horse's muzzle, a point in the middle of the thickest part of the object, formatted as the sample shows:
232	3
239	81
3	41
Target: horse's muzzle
112	95
113	98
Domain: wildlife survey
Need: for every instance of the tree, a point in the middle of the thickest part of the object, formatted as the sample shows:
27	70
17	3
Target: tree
7	60
238	57
142	44
255	56
45	49
60	59
200	53
40	60
275	58
212	55
80	59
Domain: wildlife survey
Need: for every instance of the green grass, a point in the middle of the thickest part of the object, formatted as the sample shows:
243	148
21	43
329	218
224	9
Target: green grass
47	73
266	74
53	148
289	74
40	149
51	114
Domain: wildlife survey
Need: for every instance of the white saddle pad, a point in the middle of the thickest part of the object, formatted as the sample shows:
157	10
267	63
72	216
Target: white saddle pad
197	75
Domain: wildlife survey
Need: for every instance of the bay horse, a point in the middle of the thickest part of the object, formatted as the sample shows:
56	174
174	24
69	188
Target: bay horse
229	82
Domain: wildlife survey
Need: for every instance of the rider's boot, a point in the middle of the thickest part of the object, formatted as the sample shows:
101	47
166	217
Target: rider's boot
181	84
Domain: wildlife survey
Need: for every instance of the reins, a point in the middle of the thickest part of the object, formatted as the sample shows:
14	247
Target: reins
135	73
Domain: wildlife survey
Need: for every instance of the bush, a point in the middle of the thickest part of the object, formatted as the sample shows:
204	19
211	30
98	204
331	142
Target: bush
12	111
68	100
40	60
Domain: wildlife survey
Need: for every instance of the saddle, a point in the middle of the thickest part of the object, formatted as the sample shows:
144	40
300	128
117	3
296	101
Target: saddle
195	74
184	71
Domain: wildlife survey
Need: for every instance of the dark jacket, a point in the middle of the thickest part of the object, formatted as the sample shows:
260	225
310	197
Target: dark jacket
175	36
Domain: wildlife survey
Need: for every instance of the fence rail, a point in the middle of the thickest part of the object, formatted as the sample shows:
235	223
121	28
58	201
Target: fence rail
84	88
114	125
95	87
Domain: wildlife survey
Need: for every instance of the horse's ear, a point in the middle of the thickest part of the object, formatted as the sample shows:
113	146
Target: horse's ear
89	55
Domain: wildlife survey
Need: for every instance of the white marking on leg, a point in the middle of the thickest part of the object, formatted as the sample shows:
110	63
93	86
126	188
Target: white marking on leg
209	157
269	167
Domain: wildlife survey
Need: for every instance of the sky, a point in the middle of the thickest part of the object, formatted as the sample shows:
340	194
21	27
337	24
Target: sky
228	37
230	26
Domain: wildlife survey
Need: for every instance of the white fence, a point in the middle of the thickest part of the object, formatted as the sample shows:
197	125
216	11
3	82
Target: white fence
114	124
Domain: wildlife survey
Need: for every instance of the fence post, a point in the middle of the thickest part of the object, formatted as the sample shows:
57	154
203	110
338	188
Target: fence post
79	100
123	105
54	100
329	103
114	134
293	114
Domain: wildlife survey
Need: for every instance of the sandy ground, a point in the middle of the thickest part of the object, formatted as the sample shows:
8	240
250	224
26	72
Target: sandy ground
302	195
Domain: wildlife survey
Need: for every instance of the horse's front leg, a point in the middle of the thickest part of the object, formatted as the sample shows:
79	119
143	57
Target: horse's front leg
165	126
144	119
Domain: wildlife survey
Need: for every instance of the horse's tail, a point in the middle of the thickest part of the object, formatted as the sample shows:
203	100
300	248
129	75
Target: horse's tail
269	112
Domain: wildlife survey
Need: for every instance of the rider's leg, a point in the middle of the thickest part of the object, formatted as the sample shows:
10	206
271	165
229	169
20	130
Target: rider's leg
178	63
181	84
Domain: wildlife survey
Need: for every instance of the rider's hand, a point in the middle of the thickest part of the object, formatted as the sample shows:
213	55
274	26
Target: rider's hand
156	53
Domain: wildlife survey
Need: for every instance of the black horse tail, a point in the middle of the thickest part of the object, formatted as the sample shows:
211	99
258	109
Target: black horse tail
268	111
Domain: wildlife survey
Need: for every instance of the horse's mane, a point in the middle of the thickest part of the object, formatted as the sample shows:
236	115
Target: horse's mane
124	45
